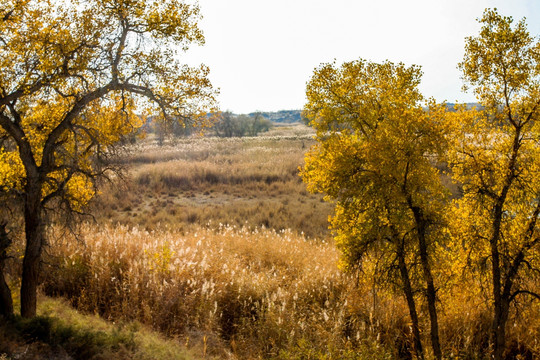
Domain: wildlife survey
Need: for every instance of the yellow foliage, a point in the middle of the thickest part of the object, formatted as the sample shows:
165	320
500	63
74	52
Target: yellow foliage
495	156
375	152
80	191
11	171
77	78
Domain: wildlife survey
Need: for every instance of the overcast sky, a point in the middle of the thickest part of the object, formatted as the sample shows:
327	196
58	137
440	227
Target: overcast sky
261	53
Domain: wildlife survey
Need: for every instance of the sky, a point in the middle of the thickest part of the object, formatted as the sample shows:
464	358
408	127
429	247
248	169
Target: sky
261	53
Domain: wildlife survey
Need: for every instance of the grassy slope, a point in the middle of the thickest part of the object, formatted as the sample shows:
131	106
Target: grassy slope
61	332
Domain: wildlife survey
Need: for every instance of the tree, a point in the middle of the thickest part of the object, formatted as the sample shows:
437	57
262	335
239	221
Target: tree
374	159
496	157
230	125
258	124
225	126
73	78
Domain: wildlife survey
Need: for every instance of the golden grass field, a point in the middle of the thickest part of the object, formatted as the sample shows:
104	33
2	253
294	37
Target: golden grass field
217	244
195	182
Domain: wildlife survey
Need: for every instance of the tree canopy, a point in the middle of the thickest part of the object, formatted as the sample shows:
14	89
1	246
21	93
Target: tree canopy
76	77
374	160
496	156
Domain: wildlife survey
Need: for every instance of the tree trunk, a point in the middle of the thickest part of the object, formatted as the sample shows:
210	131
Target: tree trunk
500	317
34	227
499	329
431	294
6	301
501	302
407	289
498	336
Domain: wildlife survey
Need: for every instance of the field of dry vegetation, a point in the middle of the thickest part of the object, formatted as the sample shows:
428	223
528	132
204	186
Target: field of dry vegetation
216	243
192	182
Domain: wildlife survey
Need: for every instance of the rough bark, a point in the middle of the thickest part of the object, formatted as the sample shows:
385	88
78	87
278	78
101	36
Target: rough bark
34	228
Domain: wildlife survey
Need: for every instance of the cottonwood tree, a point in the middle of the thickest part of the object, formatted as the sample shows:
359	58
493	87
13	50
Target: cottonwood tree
496	157
374	159
74	75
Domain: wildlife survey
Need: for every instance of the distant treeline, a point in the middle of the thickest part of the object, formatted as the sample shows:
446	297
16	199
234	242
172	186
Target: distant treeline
231	125
452	106
225	124
282	116
295	116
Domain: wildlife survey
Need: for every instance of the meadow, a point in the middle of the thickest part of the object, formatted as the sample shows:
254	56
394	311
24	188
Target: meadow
207	181
216	244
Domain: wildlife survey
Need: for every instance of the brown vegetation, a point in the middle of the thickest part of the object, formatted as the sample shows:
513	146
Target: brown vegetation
261	294
250	182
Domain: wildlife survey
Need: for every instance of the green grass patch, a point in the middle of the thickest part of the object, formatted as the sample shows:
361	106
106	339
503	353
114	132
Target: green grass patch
60	332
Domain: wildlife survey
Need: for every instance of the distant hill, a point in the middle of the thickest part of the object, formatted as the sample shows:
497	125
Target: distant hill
282	116
450	106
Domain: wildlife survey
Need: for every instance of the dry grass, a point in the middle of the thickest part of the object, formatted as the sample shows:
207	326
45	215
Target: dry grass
195	182
261	294
257	294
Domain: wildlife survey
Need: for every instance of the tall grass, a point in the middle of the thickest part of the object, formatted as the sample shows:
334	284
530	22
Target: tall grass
262	294
250	182
257	294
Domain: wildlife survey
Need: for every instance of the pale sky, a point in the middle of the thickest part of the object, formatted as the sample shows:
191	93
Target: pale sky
261	53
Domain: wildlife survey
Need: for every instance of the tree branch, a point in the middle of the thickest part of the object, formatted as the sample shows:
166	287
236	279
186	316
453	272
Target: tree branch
526	292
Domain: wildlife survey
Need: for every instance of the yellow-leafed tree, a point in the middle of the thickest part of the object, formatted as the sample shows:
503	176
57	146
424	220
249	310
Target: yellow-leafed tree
374	159
496	157
75	77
